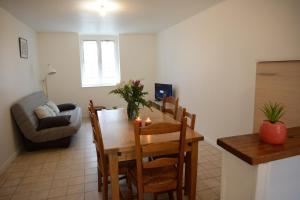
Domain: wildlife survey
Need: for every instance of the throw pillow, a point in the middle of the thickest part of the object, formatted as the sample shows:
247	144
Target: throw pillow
44	111
50	122
66	106
53	106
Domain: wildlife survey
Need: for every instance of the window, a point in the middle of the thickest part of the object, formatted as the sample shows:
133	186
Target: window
99	61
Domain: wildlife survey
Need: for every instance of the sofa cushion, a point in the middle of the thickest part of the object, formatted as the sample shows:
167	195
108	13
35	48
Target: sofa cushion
50	122
44	111
66	106
53	106
63	131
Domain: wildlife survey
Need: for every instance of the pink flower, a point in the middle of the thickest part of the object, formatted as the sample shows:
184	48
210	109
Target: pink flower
136	83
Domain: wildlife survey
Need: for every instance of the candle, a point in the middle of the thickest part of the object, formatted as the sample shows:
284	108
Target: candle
138	121
148	121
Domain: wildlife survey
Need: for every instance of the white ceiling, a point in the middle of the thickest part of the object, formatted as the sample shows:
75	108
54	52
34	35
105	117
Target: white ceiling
133	16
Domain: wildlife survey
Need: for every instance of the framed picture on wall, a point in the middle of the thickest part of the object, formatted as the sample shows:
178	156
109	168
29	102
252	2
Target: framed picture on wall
23	46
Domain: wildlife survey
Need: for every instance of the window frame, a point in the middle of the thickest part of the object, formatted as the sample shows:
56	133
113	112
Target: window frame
98	39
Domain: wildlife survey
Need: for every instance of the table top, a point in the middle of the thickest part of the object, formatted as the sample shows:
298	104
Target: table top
118	132
250	149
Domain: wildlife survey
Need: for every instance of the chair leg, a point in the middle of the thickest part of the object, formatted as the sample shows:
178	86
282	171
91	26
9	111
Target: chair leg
179	193
140	194
99	180
155	196
129	187
171	197
105	187
187	173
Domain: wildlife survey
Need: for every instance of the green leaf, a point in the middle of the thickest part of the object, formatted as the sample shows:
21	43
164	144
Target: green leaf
273	111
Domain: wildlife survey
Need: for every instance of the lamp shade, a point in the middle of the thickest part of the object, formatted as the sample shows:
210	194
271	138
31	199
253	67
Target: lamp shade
51	70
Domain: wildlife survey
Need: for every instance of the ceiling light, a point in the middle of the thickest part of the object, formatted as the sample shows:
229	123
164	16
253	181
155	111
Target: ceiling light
102	6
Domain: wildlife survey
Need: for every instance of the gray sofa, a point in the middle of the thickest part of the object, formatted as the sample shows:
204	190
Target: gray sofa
27	122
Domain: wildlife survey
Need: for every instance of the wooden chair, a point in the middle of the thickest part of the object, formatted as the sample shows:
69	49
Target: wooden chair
190	117
163	174
173	102
96	108
179	115
103	170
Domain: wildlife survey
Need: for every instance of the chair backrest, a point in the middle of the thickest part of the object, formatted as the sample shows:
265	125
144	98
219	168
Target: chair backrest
167	101
160	149
179	115
91	109
191	118
98	140
96	108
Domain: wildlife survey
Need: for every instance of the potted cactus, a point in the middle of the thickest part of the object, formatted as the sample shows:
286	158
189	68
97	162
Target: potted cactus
272	130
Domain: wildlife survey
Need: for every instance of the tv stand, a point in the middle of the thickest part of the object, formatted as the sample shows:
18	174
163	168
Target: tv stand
156	104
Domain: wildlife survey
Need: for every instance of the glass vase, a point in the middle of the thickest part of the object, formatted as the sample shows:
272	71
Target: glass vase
132	111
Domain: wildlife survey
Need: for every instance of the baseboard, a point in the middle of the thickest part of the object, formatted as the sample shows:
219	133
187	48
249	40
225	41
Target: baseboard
6	164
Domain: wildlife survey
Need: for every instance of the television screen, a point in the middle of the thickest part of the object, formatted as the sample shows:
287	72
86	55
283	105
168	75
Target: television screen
162	90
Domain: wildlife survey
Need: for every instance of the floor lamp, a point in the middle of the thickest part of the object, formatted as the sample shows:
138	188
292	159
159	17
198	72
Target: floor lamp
50	71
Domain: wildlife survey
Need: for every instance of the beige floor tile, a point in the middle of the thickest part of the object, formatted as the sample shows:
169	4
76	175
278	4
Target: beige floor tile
58	198
76	172
4	191
90	171
28	180
211	182
76	180
55	173
201	185
33	172
40	195
24	189
73	189
90	164
12	182
57	192
91	178
94	195
8	197
91	187
41	186
206	195
21	196
13	175
60	183
79	196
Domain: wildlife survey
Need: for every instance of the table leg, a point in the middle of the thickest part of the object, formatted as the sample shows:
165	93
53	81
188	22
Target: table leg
193	171
187	173
114	175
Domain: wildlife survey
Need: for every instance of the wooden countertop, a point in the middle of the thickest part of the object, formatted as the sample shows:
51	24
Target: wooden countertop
251	150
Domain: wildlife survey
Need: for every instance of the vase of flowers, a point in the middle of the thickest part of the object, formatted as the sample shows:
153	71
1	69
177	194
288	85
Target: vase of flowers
132	92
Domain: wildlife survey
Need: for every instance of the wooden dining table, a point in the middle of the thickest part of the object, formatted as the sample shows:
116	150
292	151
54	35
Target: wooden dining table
119	145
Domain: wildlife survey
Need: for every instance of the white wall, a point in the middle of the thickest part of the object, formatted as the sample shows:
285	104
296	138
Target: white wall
18	77
61	50
211	59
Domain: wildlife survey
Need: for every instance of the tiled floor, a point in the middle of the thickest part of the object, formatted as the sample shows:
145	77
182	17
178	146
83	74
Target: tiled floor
71	174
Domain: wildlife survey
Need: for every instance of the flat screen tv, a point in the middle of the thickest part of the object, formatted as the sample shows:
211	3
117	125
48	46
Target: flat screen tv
162	90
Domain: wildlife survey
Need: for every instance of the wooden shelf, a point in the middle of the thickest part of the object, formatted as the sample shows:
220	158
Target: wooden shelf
251	150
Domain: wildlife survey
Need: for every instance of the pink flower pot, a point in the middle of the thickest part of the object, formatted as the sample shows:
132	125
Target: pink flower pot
273	133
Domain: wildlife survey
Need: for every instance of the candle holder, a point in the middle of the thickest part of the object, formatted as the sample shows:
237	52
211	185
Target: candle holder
148	121
138	121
